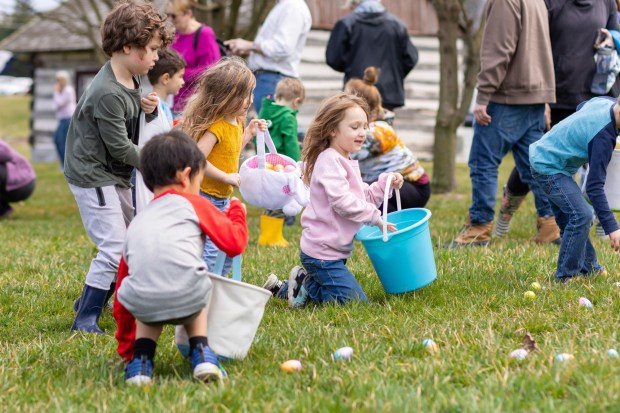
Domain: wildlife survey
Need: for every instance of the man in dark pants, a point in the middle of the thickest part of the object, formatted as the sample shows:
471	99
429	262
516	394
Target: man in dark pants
515	82
370	36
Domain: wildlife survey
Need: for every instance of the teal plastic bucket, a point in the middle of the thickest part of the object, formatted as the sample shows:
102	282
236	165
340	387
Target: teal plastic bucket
404	260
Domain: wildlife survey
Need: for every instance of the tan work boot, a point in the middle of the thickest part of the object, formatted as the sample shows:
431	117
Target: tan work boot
472	235
548	231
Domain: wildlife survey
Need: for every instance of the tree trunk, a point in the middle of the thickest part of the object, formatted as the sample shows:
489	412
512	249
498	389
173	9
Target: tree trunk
447	121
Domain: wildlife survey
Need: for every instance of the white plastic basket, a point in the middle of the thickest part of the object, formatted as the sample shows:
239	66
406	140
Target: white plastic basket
612	183
270	189
235	310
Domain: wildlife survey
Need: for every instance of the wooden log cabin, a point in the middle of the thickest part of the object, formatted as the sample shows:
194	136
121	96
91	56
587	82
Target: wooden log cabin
51	47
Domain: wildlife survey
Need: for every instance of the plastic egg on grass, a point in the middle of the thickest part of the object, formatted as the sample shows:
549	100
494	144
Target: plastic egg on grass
430	345
530	295
289	168
536	286
278	168
584	302
617	284
612	353
343	353
564	357
291	366
518	354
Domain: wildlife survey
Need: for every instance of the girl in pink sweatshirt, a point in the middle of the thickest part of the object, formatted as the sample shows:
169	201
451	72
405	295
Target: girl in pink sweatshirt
340	203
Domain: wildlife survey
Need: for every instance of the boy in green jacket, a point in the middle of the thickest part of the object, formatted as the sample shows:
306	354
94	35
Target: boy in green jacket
102	150
282	113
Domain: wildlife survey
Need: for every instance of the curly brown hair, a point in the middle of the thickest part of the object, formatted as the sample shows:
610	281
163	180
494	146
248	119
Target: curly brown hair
318	138
222	91
133	23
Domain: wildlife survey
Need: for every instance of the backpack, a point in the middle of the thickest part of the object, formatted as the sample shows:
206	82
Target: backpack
224	50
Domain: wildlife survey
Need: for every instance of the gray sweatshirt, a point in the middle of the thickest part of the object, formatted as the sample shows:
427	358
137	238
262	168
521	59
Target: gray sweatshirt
162	275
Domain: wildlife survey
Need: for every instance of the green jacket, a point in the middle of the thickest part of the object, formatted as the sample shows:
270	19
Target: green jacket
101	144
283	129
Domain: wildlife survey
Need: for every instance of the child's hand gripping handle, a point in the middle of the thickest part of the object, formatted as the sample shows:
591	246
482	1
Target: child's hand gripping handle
386	196
262	138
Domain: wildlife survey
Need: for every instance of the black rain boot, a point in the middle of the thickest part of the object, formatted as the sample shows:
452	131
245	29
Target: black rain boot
91	304
76	302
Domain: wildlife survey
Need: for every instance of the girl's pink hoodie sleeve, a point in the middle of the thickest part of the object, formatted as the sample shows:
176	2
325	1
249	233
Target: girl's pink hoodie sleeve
374	192
340	197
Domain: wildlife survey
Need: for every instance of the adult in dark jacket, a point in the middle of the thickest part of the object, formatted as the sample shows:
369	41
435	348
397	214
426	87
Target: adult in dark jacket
370	36
573	30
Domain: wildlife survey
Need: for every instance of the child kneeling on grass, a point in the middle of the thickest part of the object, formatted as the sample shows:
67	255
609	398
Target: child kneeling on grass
587	136
162	278
340	203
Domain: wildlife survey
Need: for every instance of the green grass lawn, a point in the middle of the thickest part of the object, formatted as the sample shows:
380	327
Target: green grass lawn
475	311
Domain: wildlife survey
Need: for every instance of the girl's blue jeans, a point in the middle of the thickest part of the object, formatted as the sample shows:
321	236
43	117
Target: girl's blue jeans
574	217
328	281
209	254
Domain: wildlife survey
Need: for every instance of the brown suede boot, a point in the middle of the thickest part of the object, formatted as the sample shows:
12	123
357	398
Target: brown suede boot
472	235
548	231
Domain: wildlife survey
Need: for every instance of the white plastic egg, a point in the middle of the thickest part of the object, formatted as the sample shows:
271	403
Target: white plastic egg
343	353
518	354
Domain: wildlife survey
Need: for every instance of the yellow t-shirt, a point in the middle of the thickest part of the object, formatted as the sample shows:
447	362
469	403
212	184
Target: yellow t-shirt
224	156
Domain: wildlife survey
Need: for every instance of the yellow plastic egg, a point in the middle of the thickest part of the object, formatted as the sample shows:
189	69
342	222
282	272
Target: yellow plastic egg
529	294
269	166
279	168
291	366
536	286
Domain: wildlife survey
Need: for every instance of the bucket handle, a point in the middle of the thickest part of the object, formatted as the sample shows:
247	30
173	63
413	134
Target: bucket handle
263	138
236	266
386	196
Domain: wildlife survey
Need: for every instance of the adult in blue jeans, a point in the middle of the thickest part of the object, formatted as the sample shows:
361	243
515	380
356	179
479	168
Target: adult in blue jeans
276	51
64	105
515	82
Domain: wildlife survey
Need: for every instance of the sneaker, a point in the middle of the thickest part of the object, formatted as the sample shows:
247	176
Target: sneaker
273	284
139	371
297	294
205	365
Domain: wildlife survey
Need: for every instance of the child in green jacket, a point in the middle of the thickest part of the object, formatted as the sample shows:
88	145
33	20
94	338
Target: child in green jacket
282	113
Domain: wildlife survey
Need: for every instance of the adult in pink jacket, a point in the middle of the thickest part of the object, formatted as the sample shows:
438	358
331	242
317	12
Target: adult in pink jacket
195	42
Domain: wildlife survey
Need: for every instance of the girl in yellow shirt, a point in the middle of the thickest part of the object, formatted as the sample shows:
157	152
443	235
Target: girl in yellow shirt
214	118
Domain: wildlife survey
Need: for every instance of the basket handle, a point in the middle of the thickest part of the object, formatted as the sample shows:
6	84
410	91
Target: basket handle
263	138
236	266
386	196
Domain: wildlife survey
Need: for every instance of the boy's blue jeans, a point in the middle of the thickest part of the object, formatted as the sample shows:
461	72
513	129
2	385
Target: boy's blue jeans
513	127
574	217
328	281
209	254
